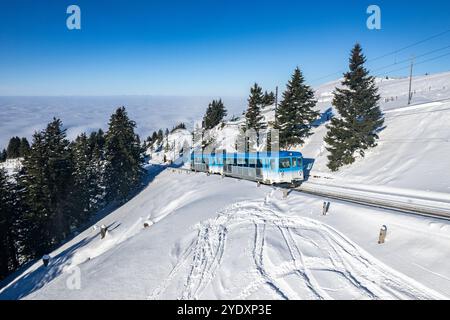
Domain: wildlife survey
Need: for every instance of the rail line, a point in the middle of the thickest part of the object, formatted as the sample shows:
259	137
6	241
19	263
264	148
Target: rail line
434	209
402	204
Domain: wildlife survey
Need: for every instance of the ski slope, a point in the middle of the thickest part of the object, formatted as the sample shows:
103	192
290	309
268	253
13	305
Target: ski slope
214	238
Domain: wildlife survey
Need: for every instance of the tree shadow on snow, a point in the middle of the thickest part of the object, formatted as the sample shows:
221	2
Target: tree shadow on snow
37	278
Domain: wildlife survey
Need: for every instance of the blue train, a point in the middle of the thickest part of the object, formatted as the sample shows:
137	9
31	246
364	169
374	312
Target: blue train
265	167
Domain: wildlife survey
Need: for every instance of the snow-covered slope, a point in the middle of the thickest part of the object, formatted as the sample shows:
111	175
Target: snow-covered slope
219	238
11	166
412	152
224	238
170	146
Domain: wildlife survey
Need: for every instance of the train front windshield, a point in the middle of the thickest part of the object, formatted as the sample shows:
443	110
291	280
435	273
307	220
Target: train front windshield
285	163
296	162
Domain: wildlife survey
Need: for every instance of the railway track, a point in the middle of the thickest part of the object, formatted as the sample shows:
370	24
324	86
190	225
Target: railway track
429	208
403	204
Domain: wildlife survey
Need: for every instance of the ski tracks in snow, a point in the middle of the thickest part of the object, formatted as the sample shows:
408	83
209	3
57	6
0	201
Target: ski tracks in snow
327	264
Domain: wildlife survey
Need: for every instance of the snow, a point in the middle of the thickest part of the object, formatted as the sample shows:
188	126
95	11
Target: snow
214	238
411	152
11	166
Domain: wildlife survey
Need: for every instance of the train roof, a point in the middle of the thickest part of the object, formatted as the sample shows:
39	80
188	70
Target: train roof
250	155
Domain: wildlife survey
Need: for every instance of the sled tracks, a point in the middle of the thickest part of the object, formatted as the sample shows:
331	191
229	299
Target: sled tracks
318	262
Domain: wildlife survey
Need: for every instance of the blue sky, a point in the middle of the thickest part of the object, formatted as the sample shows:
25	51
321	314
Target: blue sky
203	47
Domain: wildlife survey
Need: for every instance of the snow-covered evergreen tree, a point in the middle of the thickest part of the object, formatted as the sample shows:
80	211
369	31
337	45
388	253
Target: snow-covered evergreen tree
253	117
123	170
6	212
13	150
268	98
88	176
254	120
360	116
215	113
49	185
294	115
24	147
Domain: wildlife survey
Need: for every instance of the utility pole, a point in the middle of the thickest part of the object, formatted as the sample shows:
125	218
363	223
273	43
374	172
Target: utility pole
276	96
410	81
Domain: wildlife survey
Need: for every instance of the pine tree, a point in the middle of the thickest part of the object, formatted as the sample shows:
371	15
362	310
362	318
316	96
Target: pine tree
5	225
3	155
160	136
360	116
215	113
48	180
268	99
84	178
296	112
12	226
154	137
24	147
253	121
13	150
123	170
253	117
97	162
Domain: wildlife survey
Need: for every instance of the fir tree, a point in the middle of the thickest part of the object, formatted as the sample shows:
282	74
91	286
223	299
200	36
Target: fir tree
3	155
360	117
97	162
123	170
160	135
268	99
84	178
253	117
296	112
49	183
13	150
24	147
154	137
181	125
215	113
6	213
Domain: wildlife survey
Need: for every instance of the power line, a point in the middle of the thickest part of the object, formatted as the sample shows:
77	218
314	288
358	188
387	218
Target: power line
410	46
419	63
388	54
409	59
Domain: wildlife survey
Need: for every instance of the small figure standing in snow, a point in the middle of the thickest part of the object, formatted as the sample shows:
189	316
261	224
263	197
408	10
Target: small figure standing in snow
383	233
326	207
103	230
45	259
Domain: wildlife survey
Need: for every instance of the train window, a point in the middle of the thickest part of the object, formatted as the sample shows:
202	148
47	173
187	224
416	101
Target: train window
294	163
285	163
273	164
300	162
259	164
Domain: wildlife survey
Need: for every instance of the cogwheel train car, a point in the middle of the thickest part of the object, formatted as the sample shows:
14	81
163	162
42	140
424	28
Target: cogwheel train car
265	167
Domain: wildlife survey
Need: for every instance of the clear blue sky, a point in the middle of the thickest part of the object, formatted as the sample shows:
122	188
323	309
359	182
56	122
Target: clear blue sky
202	47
